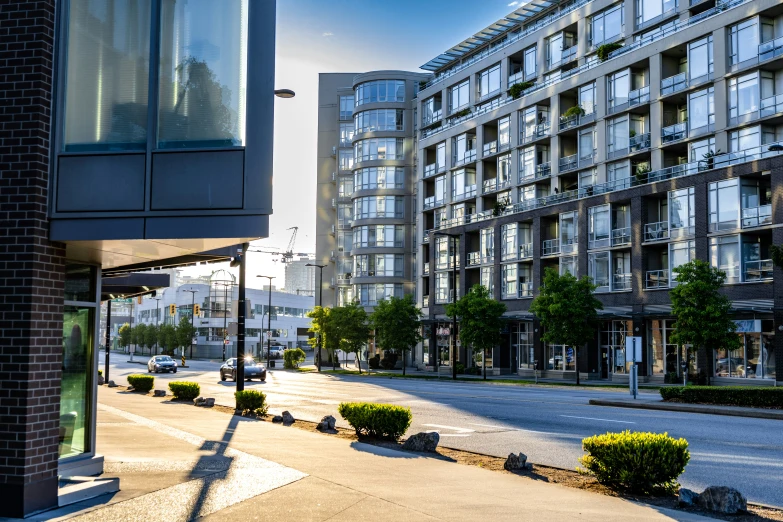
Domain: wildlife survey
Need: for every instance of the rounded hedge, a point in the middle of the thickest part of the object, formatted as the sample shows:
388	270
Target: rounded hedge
749	396
185	390
251	401
141	382
376	420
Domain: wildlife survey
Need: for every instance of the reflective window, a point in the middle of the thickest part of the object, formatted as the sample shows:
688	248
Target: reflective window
725	255
378	120
744	96
701	150
107	75
346	134
606	25
379	177
750	137
700	58
203	73
617	134
370	294
724	205
680	253
568	265
599	226
380	91
619	85
378	207
76	387
344	214
508	281
569	228
489	81
464	148
587	98
378	265
531	62
487	237
459	97
647	10
488	278
345	159
346	107
682	212
378	148
598	270
378	236
744	41
463	183
701	108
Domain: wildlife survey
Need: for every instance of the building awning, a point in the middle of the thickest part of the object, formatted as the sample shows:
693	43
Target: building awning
220	255
133	285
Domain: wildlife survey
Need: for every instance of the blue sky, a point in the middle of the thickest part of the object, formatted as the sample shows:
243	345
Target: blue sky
344	36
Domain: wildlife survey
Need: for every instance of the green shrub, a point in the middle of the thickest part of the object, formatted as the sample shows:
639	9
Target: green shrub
516	90
140	382
293	357
603	51
185	390
576	110
251	401
376	420
752	396
375	362
100	372
638	462
460	114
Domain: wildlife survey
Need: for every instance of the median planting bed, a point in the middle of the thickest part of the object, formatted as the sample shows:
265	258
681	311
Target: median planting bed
753	397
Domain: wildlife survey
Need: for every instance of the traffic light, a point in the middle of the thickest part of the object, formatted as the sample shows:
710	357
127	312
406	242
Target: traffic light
197	310
172	310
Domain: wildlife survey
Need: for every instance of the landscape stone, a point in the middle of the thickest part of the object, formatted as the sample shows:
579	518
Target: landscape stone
723	499
277	418
424	442
199	401
112	384
159	393
515	462
209	402
688	497
327	424
288	419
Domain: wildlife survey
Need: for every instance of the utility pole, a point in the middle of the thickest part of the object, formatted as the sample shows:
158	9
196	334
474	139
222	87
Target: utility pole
225	316
320	303
108	341
192	318
157	320
269	322
241	261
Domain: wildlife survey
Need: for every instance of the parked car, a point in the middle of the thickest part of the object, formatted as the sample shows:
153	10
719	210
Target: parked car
276	352
161	363
253	370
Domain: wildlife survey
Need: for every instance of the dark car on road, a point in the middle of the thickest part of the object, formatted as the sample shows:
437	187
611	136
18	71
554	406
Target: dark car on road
161	363
253	370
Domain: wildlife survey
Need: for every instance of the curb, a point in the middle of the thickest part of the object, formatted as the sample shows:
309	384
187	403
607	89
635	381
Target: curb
730	411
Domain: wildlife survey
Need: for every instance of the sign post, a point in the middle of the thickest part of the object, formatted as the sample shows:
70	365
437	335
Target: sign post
633	350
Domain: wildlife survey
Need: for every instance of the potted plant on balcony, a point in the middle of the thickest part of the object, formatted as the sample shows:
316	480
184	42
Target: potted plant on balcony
516	90
642	170
574	111
631	133
460	114
603	51
709	160
499	207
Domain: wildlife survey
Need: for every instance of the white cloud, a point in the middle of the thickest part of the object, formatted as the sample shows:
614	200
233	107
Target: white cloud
512	4
328	34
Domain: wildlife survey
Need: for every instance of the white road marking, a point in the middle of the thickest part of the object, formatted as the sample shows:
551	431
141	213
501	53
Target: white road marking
452	428
593	418
454	434
510	428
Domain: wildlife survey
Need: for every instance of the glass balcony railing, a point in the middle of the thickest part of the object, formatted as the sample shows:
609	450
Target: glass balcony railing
432	118
675	132
432	202
673	84
732	273
550	247
426	238
490	148
568	163
771	105
432	169
656	231
474	258
525	290
771	49
639	142
490	185
566	56
526	251
621	236
621	282
639	96
468	157
576	120
758	270
536	132
656	279
468	191
756	216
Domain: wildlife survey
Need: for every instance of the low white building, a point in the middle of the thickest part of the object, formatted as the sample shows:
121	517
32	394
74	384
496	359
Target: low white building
217	297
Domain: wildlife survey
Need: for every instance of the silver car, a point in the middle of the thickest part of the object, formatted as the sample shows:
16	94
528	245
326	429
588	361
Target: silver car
161	363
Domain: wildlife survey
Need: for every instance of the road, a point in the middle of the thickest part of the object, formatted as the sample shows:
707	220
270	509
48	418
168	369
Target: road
547	424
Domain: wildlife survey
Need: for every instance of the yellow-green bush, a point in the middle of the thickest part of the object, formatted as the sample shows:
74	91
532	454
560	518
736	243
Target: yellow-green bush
185	390
140	382
293	357
638	462
251	401
377	420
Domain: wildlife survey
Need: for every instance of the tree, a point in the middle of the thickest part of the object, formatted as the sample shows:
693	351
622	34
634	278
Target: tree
480	320
568	311
701	312
396	324
321	327
167	338
352	328
185	333
125	335
139	334
151	336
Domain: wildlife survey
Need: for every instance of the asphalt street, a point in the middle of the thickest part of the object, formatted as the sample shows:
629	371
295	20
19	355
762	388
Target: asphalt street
546	423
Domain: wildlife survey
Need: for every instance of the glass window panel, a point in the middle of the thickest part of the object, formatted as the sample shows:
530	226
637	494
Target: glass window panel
203	73
76	388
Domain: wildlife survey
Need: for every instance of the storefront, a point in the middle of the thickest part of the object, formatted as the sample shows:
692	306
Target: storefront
755	358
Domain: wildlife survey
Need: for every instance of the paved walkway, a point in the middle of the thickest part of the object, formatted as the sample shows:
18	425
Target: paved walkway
176	462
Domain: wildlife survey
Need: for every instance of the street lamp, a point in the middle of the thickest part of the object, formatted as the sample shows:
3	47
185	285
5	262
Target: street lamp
192	318
284	93
157	320
320	303
240	261
269	321
453	261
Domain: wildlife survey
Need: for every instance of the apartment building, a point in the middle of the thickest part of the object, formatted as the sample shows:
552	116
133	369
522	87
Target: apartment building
299	277
366	186
616	140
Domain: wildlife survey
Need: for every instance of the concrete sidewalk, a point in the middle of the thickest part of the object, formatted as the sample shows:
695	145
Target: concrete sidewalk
176	462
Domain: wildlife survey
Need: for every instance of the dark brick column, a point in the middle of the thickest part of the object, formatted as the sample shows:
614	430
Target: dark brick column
31	268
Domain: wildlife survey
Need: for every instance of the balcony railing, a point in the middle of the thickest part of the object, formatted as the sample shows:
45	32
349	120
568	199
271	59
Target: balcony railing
756	216
467	192
771	105
468	157
425	301
432	118
568	246
431	202
673	84
566	55
639	142
771	49
576	120
639	96
525	290
758	270
526	251
490	185
490	148
656	279
426	238
621	282
568	163
550	247
539	131
474	258
656	231
432	169
675	132
621	236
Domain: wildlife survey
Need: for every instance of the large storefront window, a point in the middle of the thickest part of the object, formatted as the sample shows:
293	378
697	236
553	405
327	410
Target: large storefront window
612	345
755	358
560	358
665	357
76	392
522	342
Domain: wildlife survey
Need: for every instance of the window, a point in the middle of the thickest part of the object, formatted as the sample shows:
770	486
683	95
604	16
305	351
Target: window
699	149
345	159
464	148
346	134
378	148
440	189
504	133
378	265
431	110
463	183
489	81
700	61
682	212
599	223
378	207
390	236
504	170
569	232
487	245
344	214
379	177
749	138
555	47
568	265
440	156
612	345
346	107
522	339
345	187
725	255
598	270
509	281
587	141
648	10
606	26
442	280
344	295
701	109
378	120
488	278
587	98
617	135
744	41
587	178
724	203
508	241
459	97
531	62
619	173
679	254
743	95
370	294
344	241
380	91
532	123
619	85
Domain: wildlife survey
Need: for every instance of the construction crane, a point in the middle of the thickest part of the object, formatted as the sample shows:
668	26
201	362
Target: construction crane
288	254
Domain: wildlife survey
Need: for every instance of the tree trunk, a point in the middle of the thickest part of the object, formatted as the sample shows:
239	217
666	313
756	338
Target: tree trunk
576	363
403	362
359	361
484	363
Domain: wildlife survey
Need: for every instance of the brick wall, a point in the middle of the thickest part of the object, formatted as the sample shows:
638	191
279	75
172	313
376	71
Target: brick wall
31	268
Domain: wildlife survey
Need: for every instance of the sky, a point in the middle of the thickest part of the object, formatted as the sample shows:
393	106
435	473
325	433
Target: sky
315	37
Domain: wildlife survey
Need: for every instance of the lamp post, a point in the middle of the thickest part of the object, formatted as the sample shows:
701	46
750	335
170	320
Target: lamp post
192	317
453	262
157	319
241	261
269	322
320	303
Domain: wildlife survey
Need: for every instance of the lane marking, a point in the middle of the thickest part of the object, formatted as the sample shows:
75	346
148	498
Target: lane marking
510	428
453	428
593	418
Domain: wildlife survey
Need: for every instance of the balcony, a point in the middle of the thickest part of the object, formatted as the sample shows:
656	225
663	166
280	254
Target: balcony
674	133
467	157
639	143
432	169
525	290
533	172
474	258
426	238
435	117
576	120
550	247
621	236
566	56
431	202
771	105
758	271
771	49
656	231
467	192
426	268
568	163
539	131
526	251
621	282
636	97
756	216
673	84
490	185
655	279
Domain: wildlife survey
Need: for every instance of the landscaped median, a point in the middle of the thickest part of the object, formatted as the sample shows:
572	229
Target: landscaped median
746	396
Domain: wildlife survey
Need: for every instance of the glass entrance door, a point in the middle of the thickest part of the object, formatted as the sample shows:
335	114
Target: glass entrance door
76	391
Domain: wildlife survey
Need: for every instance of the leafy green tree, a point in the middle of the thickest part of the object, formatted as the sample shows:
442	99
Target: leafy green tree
396	324
701	312
125	336
151	336
185	332
322	328
352	327
167	338
480	320
568	311
139	334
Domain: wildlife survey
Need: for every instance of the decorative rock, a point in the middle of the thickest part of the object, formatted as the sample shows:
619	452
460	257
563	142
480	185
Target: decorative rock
327	424
199	401
100	380
288	419
426	442
688	497
209	402
723	499
159	393
515	462
112	384
277	418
